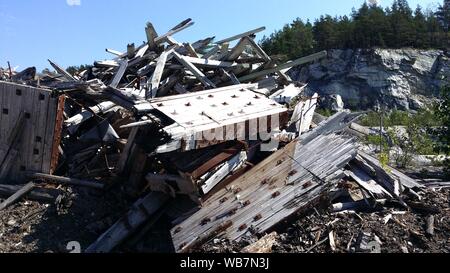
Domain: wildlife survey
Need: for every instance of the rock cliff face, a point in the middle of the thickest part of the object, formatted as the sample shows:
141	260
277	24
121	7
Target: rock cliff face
399	78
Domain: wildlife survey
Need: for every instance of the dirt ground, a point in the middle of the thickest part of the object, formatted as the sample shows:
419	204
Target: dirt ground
394	230
83	215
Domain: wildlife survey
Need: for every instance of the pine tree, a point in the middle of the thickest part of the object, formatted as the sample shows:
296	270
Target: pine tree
402	24
369	26
443	15
420	25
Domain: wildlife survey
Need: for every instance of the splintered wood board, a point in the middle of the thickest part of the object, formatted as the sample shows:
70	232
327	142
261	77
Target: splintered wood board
281	185
37	142
217	108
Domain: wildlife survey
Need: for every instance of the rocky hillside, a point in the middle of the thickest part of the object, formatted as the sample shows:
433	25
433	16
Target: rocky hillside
401	78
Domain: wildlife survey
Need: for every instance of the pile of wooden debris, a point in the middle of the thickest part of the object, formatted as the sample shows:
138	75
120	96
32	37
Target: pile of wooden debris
223	125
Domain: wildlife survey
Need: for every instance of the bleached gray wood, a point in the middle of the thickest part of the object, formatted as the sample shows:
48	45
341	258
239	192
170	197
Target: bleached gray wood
49	137
239	36
238	49
141	211
190	50
131	51
197	73
211	52
289	180
114	52
65	180
297	62
107	64
73	122
62	71
126	151
228	167
120	72
17	195
204	62
162	38
266	57
36	194
157	74
151	35
43	102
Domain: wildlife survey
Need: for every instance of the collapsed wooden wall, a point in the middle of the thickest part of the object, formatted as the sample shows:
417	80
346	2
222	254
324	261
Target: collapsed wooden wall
38	140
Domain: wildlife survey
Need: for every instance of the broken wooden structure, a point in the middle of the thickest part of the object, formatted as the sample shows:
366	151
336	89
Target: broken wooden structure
223	125
31	121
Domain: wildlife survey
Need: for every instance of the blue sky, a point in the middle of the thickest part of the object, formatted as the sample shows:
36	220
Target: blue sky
32	31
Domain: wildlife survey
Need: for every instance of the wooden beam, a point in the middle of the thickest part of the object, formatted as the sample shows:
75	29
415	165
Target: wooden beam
151	35
297	62
227	168
180	27
65	180
237	50
16	196
204	62
153	84
126	151
197	73
140	212
62	71
211	52
131	51
114	52
36	194
239	36
118	77
190	50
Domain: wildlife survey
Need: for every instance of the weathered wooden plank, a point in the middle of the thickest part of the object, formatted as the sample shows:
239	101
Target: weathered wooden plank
28	106
239	36
36	194
185	24
227	168
197	73
237	50
3	106
204	62
62	71
157	74
190	50
141	211
73	122
65	180
119	74
211	52
151	35
49	133
281	185
7	165
131	51
12	144
126	151
114	52
40	126
16	196
266	57
57	134
297	62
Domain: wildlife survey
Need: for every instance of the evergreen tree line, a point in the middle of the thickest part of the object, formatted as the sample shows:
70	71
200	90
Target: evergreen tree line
370	26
